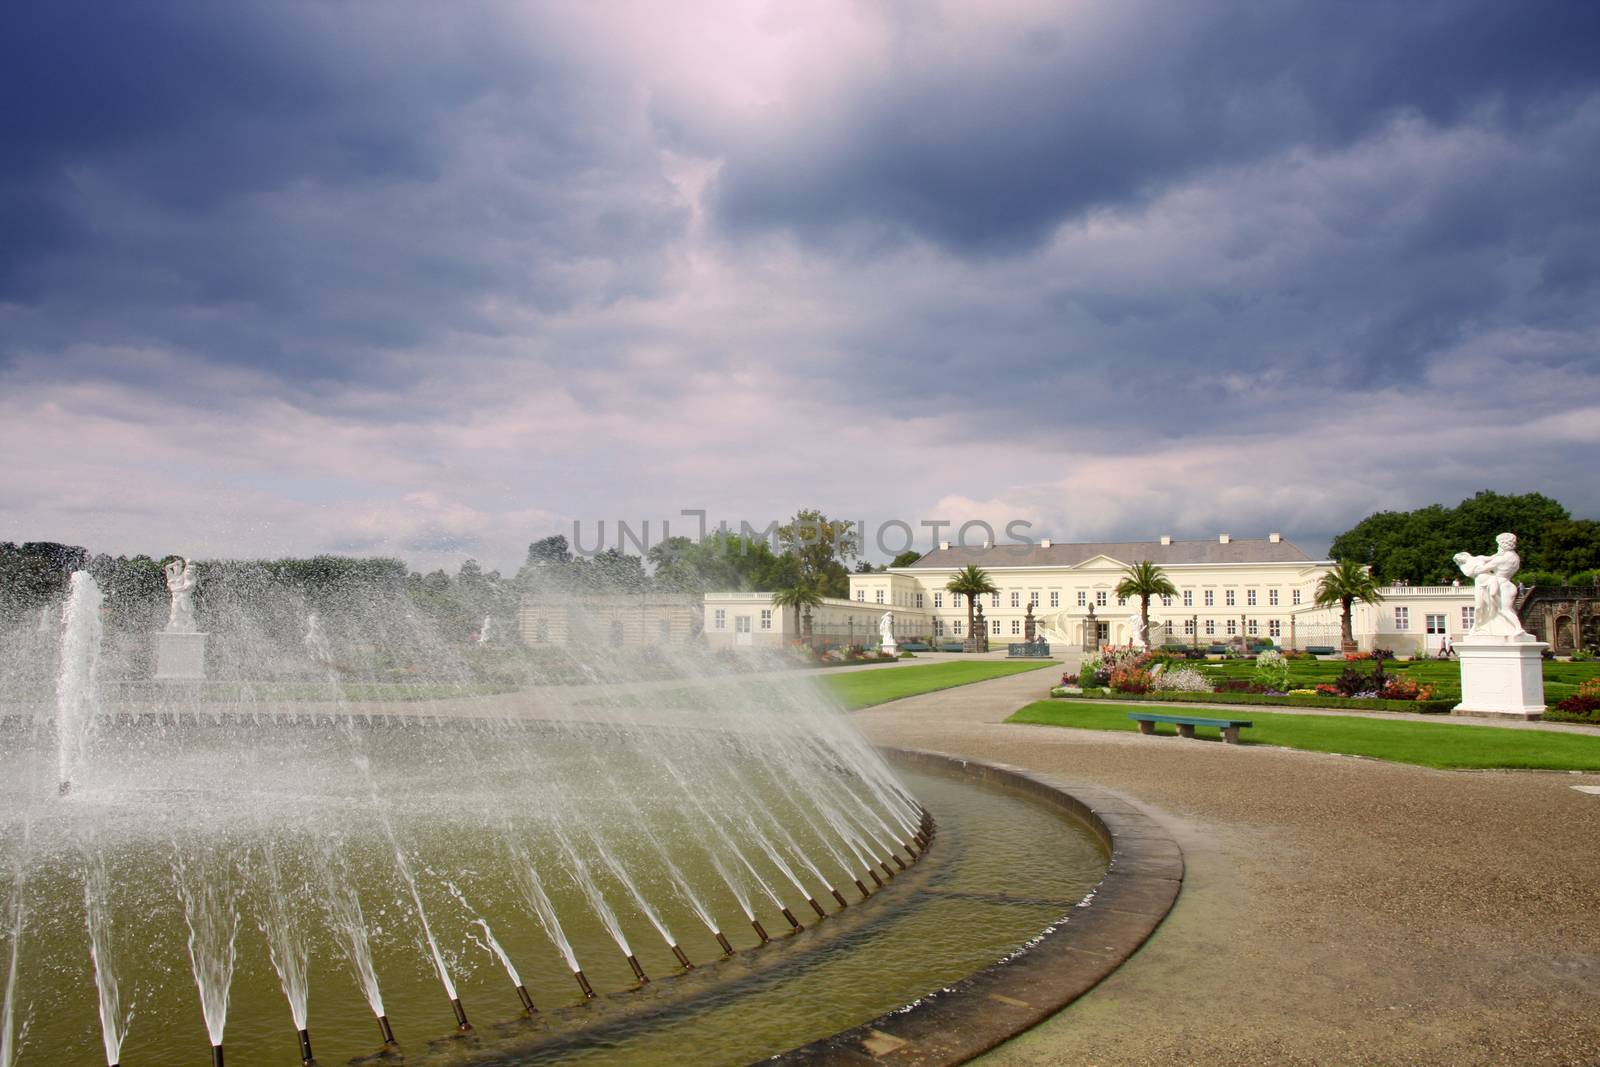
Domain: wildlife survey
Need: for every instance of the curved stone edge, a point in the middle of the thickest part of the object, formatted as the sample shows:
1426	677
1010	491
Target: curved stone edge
1066	960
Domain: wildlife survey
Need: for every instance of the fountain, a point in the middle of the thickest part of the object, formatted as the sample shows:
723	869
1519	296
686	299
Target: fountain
261	835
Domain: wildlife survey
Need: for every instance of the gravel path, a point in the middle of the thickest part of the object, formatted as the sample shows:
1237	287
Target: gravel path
1336	910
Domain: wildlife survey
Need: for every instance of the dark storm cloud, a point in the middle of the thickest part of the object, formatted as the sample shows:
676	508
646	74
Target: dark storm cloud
302	189
1106	107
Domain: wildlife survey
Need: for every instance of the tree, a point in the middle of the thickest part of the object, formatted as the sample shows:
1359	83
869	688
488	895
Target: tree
1416	546
906	558
1145	580
1347	583
823	547
1570	546
800	596
971	581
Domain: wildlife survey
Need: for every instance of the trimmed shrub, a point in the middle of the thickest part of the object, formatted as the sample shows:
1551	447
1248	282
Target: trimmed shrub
1321	701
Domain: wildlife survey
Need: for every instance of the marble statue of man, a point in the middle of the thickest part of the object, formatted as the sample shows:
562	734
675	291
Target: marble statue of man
1136	627
1494	593
181	583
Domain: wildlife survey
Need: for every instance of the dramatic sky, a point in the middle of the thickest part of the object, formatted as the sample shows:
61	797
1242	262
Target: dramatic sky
435	279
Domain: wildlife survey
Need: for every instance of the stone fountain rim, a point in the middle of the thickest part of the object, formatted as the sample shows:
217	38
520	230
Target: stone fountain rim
969	1017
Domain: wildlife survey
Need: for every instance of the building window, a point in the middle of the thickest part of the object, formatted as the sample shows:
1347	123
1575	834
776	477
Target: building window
1100	600
994	600
1296	596
1033	598
1188	598
1233	628
1188	627
861	594
880	596
1402	618
1083	598
1211	627
918	600
1227	598
938	600
1016	626
1274	628
1055	599
955	600
955	627
1468	617
719	619
1166	602
1250	628
938	627
1249	598
994	626
1434	624
766	618
1272	598
1122	601
1016	599
1211	597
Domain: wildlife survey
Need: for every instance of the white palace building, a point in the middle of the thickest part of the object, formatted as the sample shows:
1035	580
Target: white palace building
1228	587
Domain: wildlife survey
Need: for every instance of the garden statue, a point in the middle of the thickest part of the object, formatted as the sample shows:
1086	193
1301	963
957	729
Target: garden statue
1136	627
484	632
181	583
1494	591
886	633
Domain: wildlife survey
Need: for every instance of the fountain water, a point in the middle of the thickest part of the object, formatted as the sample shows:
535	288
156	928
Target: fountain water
330	796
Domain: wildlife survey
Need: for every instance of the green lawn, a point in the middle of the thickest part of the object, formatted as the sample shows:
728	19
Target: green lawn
861	689
1561	680
1426	744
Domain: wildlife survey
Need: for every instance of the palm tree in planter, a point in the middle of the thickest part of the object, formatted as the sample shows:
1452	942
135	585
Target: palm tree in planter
802	596
1145	580
1344	585
971	581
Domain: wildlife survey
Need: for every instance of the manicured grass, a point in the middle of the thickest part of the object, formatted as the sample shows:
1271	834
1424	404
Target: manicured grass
1426	744
1561	680
861	689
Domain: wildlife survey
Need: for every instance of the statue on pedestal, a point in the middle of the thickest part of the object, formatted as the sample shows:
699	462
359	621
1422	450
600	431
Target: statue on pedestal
1494	593
181	584
886	633
1136	629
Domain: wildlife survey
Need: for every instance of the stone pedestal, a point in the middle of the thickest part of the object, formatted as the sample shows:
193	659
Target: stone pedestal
890	648
180	656
1501	677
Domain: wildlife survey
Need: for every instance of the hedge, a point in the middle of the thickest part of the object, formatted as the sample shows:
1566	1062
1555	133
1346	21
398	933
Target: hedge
1420	707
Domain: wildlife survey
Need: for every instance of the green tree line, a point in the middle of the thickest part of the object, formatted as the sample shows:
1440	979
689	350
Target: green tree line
1416	546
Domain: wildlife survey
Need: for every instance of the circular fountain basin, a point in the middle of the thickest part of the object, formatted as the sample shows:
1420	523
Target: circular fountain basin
1002	867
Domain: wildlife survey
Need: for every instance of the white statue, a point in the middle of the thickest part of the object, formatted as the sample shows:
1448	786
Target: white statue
181	583
1054	628
886	632
47	619
1494	592
1136	627
484	632
315	641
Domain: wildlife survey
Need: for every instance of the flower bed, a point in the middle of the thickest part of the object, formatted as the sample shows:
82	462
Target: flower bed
1288	700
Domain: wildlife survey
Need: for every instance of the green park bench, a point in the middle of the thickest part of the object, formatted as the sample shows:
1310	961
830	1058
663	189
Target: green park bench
952	646
1320	650
1187	723
915	646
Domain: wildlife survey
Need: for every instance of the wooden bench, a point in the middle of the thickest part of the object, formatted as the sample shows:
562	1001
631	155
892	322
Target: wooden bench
1186	724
